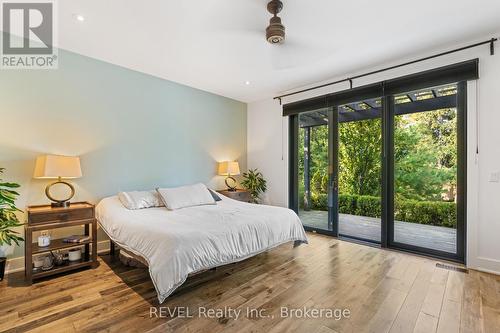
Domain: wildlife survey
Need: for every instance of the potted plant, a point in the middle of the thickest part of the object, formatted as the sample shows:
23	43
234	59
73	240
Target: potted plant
8	221
255	183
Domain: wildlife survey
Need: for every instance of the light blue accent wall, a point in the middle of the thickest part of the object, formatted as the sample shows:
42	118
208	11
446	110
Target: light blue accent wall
133	131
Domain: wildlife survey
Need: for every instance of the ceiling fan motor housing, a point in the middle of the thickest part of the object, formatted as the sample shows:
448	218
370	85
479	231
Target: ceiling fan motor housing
275	32
274	6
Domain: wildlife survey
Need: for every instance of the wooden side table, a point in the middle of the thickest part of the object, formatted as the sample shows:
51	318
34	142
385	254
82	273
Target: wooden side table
48	218
240	195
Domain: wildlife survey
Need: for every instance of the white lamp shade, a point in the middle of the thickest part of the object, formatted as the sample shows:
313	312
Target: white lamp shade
229	168
55	166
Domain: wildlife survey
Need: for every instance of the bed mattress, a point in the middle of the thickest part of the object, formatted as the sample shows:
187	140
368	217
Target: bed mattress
185	241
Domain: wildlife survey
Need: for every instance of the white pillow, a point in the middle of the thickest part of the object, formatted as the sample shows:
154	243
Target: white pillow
140	199
186	196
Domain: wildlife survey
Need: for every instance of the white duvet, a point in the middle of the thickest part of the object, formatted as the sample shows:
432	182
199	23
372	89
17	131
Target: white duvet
184	241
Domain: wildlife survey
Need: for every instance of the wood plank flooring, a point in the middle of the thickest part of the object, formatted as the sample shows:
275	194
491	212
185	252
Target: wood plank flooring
384	291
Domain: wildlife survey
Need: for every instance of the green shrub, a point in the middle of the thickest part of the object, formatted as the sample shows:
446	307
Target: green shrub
436	213
347	203
426	212
319	201
369	206
319	181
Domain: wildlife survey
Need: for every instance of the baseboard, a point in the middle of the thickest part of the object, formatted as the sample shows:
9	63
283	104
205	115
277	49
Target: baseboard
17	264
487	265
482	264
14	265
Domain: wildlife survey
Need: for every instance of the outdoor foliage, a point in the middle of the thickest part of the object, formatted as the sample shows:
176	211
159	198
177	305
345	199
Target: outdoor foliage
436	213
425	154
360	163
425	167
427	212
8	210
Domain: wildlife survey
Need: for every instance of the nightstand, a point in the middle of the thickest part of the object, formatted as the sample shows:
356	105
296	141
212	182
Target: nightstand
240	195
48	218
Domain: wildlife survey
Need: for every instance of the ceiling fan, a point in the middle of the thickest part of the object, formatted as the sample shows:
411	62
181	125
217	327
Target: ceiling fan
297	51
293	53
275	32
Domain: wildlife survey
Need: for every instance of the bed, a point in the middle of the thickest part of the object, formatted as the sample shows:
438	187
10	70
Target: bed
177	243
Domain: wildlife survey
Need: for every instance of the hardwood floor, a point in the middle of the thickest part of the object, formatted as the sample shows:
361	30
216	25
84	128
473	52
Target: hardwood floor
384	291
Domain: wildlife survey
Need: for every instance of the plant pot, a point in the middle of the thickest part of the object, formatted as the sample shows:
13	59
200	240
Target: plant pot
6	250
3	261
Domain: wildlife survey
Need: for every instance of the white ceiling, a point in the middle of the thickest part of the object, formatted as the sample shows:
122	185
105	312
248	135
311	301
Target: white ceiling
218	45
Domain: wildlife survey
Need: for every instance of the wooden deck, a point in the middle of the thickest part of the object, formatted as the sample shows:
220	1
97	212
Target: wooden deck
428	236
385	291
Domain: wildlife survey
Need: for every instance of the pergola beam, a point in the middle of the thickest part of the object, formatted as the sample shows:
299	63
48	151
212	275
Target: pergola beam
429	104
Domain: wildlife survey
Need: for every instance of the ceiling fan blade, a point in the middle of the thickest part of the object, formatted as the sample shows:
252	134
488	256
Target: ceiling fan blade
255	19
293	54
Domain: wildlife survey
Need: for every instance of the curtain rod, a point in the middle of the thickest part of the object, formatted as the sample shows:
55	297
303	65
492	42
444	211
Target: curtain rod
349	79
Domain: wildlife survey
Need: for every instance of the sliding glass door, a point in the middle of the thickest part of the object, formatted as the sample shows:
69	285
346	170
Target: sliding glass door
339	169
358	156
313	177
428	163
388	170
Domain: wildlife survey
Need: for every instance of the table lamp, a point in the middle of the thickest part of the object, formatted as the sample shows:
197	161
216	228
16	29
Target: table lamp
58	167
229	169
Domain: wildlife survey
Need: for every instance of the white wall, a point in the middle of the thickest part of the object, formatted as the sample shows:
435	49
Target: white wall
267	145
132	131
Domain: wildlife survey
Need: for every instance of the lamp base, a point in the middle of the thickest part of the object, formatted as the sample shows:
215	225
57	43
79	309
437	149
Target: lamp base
58	204
229	187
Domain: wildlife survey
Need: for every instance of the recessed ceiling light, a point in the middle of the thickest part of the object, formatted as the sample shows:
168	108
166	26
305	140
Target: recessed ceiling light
247	83
80	18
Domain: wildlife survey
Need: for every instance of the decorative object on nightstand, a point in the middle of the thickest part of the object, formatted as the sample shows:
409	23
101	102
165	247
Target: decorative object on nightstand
58	167
237	194
74	254
254	182
58	257
48	263
47	217
38	263
229	169
8	221
44	239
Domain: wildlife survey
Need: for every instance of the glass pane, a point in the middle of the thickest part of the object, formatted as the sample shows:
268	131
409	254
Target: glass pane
360	169
425	168
313	169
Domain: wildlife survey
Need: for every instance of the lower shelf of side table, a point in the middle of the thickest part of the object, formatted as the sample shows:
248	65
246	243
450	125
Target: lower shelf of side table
56	244
68	266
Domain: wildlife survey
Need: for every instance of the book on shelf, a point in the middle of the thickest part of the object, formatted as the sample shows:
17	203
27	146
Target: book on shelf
76	239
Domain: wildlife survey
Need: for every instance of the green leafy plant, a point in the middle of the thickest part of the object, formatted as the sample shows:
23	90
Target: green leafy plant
438	213
8	210
255	183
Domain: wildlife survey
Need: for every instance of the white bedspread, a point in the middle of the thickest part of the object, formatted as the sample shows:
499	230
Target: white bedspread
180	242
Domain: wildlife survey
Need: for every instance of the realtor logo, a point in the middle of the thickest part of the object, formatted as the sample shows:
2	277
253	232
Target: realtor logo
28	35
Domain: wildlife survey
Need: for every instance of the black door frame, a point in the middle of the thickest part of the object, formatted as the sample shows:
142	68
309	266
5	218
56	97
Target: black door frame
460	254
460	73
335	151
293	174
387	170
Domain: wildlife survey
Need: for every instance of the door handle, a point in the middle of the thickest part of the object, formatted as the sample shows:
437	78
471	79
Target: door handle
330	195
335	183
